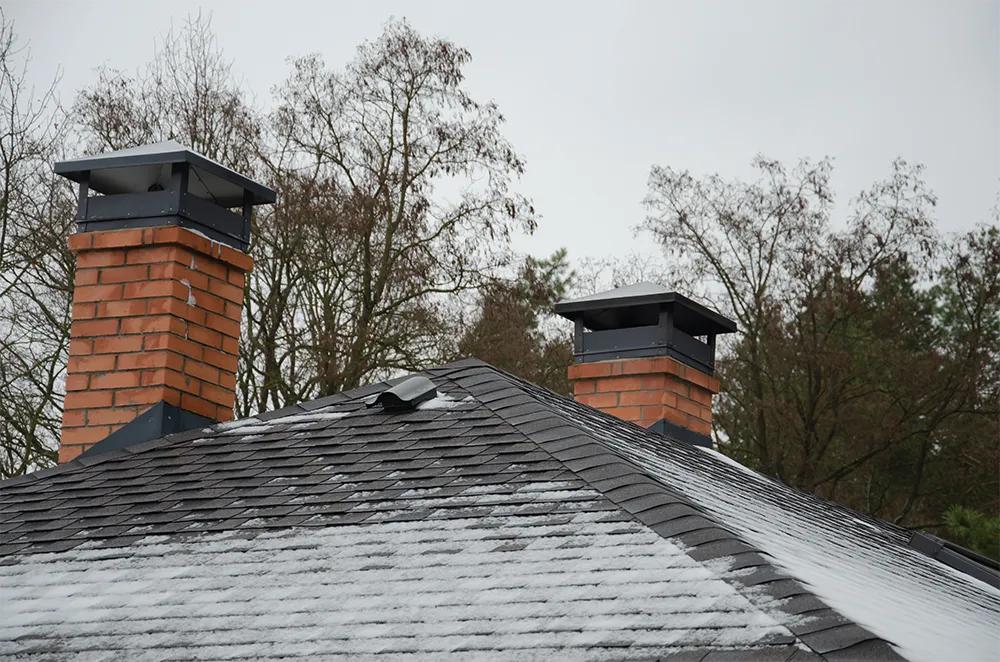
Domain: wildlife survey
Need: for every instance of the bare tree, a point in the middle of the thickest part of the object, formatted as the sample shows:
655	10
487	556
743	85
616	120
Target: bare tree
36	271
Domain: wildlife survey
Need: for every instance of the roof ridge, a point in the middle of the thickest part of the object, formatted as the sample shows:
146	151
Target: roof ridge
766	586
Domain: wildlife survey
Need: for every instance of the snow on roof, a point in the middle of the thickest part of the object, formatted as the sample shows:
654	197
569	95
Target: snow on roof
501	522
513	588
928	610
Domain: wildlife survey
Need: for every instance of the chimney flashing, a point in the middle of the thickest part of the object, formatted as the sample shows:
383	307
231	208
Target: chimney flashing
158	421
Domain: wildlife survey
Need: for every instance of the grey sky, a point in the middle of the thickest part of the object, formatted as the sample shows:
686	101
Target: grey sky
596	92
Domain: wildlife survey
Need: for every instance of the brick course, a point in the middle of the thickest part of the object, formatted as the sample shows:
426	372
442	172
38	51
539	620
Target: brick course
645	390
156	316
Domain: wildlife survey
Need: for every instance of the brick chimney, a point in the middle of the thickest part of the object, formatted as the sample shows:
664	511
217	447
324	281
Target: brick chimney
158	298
647	355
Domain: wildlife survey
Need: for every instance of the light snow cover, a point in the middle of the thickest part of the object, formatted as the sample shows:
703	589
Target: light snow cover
929	611
440	401
492	588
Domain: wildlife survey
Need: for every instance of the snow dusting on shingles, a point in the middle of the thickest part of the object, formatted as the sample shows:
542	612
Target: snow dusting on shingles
928	610
445	401
502	588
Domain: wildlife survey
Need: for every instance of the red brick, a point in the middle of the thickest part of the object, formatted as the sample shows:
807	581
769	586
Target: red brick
223	325
68	453
173	343
654	382
86	277
698	377
227	380
675	385
225	290
139	396
88	400
91	328
208	266
700	395
178	308
156	288
97	293
149	360
95	259
114	416
155	254
220	360
688	407
74	418
600	400
171	378
653	413
230	345
183	236
236	258
204	336
117	238
235	313
78	364
589	370
663	365
618	384
205	373
80	347
237	278
160	324
114	380
84	311
224	414
198	406
77	382
626	413
88	435
175	271
125	274
701	427
80	241
675	416
217	395
706	414
121	308
637	398
584	386
207	301
118	345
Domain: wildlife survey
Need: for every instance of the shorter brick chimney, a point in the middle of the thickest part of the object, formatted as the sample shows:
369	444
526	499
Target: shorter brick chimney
647	355
158	298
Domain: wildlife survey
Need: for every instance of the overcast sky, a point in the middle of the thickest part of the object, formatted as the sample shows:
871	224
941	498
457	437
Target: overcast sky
596	92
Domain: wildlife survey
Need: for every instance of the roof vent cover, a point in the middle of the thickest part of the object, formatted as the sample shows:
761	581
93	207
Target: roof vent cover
406	395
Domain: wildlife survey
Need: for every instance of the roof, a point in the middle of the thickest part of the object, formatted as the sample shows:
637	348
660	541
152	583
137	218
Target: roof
497	521
134	169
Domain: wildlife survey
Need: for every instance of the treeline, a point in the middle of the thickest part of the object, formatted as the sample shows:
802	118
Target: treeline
866	369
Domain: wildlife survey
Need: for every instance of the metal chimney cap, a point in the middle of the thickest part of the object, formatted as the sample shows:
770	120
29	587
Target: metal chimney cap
639	305
137	169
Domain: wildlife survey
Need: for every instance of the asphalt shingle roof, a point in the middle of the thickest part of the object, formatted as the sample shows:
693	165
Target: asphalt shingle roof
496	522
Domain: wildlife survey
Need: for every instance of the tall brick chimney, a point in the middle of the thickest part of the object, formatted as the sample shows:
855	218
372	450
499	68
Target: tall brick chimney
647	355
158	298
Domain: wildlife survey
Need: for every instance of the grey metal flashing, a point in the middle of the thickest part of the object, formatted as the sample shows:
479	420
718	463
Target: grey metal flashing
680	433
158	421
964	560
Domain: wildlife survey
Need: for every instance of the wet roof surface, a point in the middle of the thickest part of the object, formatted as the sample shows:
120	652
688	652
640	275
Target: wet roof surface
498	521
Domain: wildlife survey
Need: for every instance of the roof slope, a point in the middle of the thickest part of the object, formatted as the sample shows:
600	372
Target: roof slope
497	522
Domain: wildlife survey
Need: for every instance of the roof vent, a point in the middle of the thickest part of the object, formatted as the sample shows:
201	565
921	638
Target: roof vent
406	395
